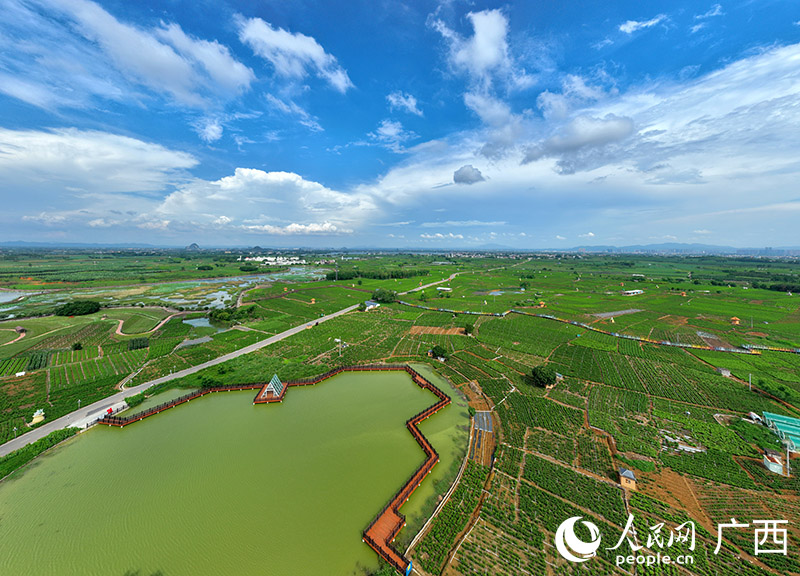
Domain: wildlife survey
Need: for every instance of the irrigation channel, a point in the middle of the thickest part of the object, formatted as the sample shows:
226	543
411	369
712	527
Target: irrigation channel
216	488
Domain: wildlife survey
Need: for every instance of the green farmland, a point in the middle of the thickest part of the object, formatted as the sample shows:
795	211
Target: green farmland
666	412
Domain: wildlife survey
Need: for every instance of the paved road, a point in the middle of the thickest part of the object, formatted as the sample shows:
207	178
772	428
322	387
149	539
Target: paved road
102	405
418	288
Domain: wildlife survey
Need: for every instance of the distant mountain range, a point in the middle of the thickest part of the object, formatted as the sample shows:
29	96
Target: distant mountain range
664	248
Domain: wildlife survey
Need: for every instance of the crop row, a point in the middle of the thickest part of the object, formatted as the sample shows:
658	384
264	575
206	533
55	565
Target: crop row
452	519
536	412
11	366
597	496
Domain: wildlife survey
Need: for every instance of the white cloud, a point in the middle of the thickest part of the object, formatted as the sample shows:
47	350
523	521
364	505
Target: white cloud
281	203
559	237
440	236
461	223
294	229
578	141
88	160
467	174
702	231
210	130
587	235
486	52
400	101
293	55
200	66
291	108
70	54
486	61
224	71
632	26
391	135
697	27
102	223
575	92
715	10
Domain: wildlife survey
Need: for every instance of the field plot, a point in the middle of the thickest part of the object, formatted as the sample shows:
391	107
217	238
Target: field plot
139	320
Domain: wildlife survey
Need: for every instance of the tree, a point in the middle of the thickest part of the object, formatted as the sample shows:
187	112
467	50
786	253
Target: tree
362	307
543	376
79	308
384	296
77	346
439	352
469	328
422	296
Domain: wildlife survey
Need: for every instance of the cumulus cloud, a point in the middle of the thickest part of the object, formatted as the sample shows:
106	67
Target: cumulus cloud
292	55
406	102
577	143
485	60
282	203
484	53
467	174
632	26
391	135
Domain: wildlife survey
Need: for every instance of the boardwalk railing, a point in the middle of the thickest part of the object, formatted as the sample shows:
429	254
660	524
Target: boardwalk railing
121	421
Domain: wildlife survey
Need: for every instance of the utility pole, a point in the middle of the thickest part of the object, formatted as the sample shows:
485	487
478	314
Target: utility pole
750	381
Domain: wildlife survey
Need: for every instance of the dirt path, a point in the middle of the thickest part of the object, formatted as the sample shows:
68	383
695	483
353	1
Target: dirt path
159	325
17	339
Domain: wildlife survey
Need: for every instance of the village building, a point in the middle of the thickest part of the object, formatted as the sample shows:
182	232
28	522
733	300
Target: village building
773	461
627	479
632	292
370	304
724	372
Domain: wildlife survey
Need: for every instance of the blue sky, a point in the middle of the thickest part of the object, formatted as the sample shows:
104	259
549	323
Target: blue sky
432	124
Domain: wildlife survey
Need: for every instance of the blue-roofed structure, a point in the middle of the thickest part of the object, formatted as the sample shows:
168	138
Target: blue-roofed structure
787	429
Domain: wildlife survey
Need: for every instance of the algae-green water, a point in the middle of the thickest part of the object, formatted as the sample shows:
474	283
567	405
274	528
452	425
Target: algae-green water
219	486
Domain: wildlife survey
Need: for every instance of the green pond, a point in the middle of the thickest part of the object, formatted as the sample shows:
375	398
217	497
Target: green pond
219	486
